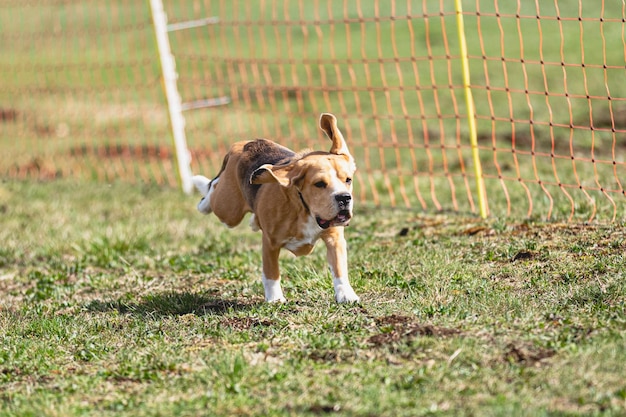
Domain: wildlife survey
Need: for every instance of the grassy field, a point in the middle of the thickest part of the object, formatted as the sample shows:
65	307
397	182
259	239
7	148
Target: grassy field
122	300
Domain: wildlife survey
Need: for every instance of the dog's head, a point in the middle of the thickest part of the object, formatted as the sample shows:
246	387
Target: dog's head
322	179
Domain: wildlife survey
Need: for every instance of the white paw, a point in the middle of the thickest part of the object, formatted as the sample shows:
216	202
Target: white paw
273	290
253	224
345	294
203	184
204	206
276	300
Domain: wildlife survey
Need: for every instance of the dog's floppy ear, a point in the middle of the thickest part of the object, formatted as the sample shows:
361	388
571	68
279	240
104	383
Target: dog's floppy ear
328	123
285	175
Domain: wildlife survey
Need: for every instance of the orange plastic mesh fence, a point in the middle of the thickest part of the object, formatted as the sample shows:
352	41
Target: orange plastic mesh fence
81	95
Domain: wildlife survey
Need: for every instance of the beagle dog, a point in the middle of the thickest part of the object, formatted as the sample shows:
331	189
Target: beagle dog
295	199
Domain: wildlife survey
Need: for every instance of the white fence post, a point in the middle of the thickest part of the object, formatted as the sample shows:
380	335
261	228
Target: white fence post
174	103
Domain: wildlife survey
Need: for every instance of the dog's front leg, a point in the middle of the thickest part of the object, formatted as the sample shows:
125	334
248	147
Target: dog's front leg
271	273
337	256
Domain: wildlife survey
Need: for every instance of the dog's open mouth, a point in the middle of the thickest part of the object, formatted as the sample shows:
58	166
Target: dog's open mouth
342	219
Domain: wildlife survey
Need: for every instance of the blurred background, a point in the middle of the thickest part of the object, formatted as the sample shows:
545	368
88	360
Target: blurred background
81	95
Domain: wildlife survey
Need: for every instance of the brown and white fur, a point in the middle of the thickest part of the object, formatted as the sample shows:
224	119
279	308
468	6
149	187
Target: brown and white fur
295	199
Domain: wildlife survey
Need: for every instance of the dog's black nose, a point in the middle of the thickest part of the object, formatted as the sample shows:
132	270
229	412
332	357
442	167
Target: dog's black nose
343	199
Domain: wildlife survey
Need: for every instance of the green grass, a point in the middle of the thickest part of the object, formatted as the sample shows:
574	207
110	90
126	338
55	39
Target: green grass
123	300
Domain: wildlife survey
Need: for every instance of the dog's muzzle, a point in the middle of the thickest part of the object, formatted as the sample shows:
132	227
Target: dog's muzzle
344	201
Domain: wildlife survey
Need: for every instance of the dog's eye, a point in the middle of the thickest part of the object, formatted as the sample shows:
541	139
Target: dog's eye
320	184
348	180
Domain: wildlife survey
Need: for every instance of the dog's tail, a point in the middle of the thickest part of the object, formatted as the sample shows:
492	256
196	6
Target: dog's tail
203	184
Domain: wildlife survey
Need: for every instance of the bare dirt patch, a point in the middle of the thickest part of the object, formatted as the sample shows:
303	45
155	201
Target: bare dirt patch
395	328
8	115
245	323
122	151
527	354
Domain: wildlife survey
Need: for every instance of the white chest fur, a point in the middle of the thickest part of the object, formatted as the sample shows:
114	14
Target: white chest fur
308	234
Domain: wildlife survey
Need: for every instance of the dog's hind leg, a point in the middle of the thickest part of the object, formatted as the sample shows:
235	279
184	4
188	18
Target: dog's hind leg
206	187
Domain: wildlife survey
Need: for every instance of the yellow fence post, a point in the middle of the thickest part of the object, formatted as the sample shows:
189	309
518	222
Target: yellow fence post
471	112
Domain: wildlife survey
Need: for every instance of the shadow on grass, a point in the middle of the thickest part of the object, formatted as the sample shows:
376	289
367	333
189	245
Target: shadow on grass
171	304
